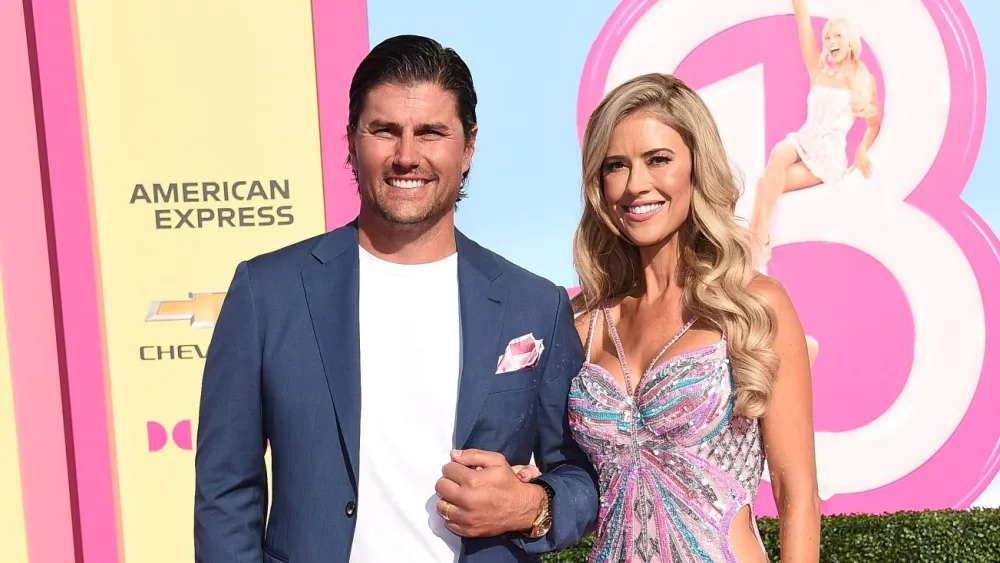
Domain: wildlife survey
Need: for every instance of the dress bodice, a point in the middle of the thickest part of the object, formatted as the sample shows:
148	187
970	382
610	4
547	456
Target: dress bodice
829	111
675	464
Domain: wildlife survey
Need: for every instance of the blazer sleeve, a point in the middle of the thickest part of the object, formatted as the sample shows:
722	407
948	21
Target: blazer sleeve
230	477
563	464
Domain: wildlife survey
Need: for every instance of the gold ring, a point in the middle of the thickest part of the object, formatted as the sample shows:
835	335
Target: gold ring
444	512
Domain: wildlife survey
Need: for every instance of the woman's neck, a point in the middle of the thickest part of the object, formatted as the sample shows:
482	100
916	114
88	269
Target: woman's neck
660	270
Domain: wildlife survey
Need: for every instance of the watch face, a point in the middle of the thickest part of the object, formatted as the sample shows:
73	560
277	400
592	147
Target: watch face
542	528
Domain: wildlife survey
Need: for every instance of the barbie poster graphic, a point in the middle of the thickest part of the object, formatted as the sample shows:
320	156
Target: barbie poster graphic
841	91
854	142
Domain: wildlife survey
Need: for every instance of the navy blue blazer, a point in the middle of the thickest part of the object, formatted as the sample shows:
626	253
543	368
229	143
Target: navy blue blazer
283	366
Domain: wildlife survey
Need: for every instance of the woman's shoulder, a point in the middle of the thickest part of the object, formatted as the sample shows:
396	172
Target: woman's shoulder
772	292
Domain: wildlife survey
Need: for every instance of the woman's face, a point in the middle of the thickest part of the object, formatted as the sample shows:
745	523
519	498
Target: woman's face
646	175
835	43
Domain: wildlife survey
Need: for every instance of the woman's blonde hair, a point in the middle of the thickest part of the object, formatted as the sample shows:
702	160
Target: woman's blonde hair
860	78
715	262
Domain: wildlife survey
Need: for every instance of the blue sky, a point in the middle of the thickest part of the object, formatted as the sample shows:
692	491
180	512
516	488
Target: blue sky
527	58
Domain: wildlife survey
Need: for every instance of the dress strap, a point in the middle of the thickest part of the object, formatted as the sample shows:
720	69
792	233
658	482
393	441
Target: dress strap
621	352
618	348
679	334
590	333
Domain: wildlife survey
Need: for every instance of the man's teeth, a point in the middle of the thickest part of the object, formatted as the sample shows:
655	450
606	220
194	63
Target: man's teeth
648	208
407	184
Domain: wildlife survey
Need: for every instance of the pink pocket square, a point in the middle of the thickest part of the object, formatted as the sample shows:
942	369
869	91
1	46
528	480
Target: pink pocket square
521	353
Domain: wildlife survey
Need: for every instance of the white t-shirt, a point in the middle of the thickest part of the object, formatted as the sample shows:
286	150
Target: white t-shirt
410	366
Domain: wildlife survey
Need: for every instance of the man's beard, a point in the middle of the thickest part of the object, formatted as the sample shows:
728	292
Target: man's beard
377	201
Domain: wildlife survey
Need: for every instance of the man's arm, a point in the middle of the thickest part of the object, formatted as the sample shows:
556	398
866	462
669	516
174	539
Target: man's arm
230	477
563	464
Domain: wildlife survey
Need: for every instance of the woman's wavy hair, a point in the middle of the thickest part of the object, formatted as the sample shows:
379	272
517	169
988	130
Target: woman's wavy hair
715	262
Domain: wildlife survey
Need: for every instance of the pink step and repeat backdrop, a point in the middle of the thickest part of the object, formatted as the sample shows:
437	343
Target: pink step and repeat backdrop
146	148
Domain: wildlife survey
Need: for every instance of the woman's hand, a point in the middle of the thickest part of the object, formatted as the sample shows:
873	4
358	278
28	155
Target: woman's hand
862	162
526	473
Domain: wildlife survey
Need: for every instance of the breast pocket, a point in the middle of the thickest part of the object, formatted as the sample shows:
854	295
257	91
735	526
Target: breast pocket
520	380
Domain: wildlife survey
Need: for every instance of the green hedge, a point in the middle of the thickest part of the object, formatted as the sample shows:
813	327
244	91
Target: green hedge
944	536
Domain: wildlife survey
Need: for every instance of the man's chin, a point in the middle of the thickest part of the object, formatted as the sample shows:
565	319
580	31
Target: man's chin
405	221
408	218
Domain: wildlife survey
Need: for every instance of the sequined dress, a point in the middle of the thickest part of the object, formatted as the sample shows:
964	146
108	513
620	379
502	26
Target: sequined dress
675	464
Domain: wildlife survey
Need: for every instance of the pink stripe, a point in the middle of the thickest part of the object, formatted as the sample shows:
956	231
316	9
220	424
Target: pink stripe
63	107
29	311
598	63
340	36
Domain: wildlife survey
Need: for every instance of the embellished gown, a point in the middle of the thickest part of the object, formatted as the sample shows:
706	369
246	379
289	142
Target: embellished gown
675	464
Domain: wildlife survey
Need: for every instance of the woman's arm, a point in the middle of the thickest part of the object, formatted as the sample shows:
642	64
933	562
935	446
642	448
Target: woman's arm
807	39
788	433
875	119
861	160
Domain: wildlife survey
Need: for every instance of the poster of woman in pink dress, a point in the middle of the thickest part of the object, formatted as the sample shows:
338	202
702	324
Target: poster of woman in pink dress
841	91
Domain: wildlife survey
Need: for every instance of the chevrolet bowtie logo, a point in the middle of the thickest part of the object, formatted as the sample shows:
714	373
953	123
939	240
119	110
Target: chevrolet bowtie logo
201	309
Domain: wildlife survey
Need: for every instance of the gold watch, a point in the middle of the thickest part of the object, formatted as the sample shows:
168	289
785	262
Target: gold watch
543	522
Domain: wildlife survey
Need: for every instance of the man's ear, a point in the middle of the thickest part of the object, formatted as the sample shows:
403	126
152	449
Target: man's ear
470	149
352	152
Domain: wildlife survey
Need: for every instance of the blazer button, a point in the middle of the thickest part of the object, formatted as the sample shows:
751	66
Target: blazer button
349	509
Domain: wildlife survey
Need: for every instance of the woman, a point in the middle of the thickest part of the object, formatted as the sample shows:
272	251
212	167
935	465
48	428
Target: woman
695	366
841	90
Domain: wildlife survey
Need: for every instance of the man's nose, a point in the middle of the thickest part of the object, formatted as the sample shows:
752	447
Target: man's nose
406	152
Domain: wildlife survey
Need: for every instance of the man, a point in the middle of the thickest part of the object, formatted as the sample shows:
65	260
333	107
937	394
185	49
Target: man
397	368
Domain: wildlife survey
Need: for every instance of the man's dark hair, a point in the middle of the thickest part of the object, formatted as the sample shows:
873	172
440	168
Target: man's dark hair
413	59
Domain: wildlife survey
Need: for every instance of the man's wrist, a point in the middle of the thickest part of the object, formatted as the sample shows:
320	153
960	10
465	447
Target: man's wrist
542	523
536	499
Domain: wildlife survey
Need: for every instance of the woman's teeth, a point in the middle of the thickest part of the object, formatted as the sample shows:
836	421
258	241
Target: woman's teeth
645	208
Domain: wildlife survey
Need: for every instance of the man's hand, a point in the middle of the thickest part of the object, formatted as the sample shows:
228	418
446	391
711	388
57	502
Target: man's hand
482	497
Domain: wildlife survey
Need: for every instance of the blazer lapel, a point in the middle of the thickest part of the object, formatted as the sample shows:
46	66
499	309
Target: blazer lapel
331	287
483	307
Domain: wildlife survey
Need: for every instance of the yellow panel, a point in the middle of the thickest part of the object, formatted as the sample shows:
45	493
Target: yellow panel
204	141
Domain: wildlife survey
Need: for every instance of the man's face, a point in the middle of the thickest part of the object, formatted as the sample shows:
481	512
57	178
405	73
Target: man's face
410	152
